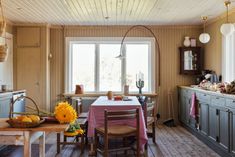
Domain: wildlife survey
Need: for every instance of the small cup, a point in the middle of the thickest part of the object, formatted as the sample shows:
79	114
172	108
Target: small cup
126	89
4	88
110	95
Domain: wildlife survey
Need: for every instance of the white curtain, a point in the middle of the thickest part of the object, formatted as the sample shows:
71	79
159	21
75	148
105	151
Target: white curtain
228	58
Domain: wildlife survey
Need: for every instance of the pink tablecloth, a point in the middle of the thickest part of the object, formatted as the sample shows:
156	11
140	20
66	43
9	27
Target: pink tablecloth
96	115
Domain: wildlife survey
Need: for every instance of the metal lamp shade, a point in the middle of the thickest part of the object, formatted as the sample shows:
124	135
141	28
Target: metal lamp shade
204	38
227	29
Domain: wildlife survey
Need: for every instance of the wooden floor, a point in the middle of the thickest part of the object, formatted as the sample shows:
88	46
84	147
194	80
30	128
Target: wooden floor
171	142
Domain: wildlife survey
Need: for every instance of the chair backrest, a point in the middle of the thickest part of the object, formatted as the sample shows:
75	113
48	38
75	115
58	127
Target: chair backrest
121	115
149	109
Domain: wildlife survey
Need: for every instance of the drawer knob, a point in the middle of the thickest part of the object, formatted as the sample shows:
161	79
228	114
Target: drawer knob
217	97
204	95
233	101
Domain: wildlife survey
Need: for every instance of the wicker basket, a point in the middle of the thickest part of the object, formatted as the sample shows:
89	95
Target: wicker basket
18	124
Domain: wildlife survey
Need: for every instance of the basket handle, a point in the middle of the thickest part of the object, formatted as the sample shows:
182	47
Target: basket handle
21	97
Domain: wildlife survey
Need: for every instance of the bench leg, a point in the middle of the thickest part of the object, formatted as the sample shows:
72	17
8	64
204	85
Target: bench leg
58	143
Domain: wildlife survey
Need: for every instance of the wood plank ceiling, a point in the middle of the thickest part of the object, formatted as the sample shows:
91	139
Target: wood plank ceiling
111	12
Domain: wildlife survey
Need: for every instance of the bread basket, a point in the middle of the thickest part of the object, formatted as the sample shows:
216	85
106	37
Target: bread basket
19	124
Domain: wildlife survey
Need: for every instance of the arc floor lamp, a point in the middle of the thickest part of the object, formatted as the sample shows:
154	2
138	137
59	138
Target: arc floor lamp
121	56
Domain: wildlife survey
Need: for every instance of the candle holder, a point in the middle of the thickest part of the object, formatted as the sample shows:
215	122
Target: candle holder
140	85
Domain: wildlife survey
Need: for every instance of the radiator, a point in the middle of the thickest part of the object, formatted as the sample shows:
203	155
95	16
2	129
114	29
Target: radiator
86	103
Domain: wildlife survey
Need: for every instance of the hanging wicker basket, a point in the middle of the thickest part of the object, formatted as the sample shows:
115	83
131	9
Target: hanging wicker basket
19	124
3	48
3	53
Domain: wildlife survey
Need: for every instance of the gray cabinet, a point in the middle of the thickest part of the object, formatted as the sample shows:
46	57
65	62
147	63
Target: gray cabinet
223	127
5	101
184	106
213	123
204	112
216	118
232	131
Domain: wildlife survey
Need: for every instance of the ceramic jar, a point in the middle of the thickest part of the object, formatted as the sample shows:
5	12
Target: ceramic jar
187	41
110	95
79	89
126	89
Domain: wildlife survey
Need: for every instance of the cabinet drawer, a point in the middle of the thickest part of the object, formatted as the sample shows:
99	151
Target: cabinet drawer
217	100
230	103
203	97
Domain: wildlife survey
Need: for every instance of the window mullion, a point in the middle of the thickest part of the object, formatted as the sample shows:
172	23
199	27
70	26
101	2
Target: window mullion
97	67
123	66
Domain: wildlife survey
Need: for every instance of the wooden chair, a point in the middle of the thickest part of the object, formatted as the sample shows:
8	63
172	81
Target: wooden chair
150	118
75	141
82	115
79	109
82	120
118	131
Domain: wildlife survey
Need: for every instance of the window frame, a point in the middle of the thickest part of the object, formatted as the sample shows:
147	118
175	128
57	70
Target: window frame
110	40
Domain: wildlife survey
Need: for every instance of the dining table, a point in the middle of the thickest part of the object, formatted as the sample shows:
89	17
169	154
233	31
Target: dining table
96	115
26	136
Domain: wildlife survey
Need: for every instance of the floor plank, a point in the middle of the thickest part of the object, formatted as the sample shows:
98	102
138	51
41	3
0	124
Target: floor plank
171	142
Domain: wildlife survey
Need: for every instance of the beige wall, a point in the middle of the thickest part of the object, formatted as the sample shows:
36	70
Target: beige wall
170	39
9	28
213	50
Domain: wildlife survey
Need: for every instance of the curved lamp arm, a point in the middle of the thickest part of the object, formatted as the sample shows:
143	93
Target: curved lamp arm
156	41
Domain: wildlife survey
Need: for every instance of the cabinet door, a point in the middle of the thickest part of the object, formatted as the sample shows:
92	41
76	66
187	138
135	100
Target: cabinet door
213	123
28	36
204	113
182	108
29	75
232	131
224	127
187	109
5	102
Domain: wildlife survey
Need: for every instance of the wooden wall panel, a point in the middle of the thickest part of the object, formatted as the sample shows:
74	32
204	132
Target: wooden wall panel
170	38
56	65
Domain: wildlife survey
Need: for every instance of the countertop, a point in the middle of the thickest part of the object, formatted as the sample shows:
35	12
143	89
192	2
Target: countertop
232	96
12	92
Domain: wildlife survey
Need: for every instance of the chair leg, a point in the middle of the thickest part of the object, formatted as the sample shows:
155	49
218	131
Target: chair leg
65	138
96	143
58	143
138	147
154	132
125	144
82	143
86	130
106	146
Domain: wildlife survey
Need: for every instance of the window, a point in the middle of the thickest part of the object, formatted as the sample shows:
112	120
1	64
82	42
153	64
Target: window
109	68
92	63
83	63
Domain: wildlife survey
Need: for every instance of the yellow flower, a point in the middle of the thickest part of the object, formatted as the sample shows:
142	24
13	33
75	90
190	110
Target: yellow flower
70	133
65	113
80	131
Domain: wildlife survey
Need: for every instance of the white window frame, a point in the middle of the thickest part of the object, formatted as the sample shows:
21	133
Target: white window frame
108	40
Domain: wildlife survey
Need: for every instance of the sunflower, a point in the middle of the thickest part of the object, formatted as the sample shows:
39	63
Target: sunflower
65	113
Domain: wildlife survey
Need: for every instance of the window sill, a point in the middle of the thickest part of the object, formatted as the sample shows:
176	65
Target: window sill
104	94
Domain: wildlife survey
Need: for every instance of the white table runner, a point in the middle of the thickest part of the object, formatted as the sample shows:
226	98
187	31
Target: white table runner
103	101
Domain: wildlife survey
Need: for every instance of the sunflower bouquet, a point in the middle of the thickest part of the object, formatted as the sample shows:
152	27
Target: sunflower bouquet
65	113
74	130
